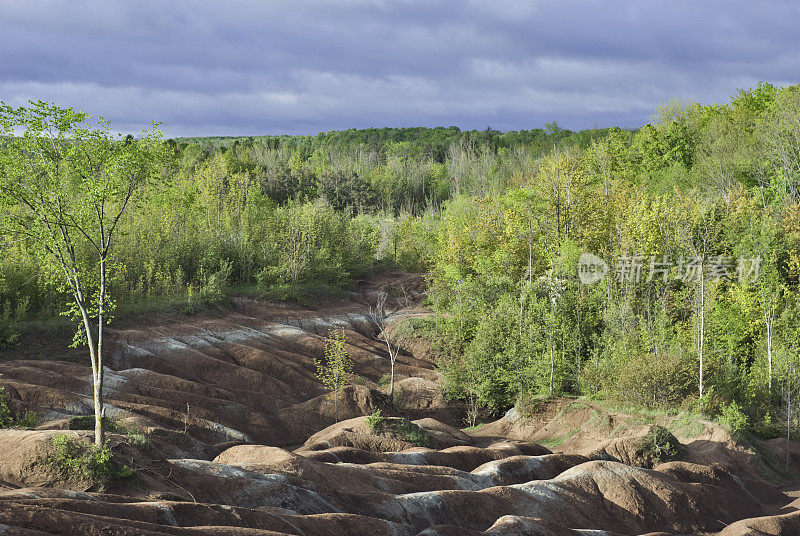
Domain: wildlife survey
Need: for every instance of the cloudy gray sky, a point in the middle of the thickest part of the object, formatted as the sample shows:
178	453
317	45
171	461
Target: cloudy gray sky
254	67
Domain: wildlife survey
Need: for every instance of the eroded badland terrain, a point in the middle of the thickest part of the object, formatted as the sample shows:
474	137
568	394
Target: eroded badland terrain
229	431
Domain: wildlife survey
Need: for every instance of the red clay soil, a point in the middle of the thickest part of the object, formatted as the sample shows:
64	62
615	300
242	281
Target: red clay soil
236	437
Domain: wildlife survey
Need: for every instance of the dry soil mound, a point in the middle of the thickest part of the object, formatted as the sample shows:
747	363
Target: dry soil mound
26	459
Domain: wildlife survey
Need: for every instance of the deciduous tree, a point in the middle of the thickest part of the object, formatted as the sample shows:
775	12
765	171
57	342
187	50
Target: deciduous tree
65	184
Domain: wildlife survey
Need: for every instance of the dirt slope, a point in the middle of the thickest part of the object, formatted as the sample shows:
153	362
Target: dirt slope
242	440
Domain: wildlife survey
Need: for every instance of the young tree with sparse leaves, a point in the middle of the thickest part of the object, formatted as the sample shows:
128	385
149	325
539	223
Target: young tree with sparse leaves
65	184
333	370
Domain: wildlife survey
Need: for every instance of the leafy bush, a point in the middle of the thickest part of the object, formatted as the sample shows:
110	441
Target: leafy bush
398	398
385	380
375	421
650	382
529	404
112	425
9	335
214	285
28	419
179	439
765	428
86	422
709	404
659	445
402	427
6	418
413	433
77	459
733	419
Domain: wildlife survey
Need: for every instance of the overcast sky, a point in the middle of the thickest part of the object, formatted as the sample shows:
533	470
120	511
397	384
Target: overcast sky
250	67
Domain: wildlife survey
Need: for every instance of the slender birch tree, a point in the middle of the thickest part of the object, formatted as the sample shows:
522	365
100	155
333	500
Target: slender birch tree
65	183
335	368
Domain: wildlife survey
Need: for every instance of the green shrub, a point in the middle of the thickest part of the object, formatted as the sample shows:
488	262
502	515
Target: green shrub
649	382
86	422
385	380
659	445
709	404
9	335
96	464
28	418
733	419
399	426
529	404
6	418
355	379
375	421
765	428
214	285
111	425
397	398
182	440
413	433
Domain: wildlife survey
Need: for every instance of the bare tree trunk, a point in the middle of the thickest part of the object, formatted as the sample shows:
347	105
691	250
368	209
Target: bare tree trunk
391	381
97	371
552	363
99	410
702	325
788	412
336	398
769	317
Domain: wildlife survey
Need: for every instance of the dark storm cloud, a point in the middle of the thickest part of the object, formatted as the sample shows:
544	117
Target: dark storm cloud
252	67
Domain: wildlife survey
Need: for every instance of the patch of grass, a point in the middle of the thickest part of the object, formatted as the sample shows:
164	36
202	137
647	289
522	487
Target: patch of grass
28	419
407	430
301	293
355	379
475	427
182	440
553	442
385	380
651	413
168	496
393	291
638	420
687	425
771	467
96	464
616	430
111	425
413	433
733	419
659	445
86	422
397	398
575	406
375	421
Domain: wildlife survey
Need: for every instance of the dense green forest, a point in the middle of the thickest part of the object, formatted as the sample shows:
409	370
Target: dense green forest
499	222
